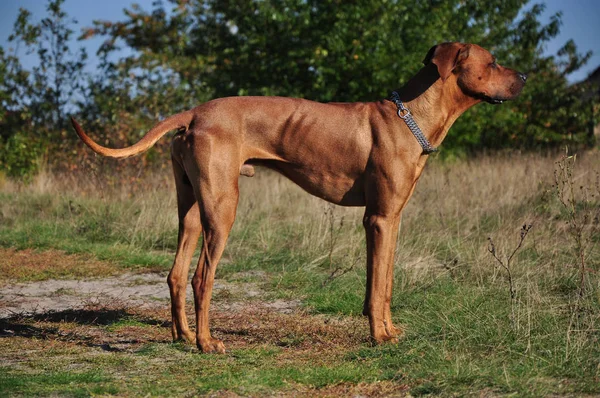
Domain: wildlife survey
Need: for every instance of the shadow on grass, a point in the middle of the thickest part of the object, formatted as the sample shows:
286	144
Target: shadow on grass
92	330
122	328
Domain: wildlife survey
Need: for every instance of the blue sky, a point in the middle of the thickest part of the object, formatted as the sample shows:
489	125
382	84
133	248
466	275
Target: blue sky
581	22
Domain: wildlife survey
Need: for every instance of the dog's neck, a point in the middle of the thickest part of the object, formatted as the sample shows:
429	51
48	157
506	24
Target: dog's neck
434	103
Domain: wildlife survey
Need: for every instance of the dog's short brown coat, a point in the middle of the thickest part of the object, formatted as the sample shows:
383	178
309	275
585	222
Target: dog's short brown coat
350	154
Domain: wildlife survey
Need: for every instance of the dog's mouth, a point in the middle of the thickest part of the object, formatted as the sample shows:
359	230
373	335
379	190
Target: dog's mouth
492	100
495	101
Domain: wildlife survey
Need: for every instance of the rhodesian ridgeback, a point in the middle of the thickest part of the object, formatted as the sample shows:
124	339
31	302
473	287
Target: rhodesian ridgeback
350	154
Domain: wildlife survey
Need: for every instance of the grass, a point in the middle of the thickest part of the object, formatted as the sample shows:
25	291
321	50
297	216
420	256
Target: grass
34	265
88	383
464	333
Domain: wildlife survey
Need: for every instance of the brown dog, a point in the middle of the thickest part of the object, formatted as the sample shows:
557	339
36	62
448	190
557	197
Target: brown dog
350	154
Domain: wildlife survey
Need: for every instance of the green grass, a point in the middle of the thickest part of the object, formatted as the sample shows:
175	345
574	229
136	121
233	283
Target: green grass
63	383
464	334
48	229
460	338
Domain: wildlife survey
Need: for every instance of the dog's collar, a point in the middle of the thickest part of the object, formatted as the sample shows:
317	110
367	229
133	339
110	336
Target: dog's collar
405	115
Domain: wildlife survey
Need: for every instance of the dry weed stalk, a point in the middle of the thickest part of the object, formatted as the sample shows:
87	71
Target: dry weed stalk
583	215
506	265
334	234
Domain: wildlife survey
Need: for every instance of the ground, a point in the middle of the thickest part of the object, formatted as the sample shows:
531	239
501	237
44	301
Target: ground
108	317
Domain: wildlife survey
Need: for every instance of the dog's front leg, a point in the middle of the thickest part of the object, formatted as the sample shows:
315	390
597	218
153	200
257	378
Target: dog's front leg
382	231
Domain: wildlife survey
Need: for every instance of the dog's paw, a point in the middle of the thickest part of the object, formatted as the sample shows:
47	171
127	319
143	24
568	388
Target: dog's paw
211	346
383	339
393	331
183	336
187	338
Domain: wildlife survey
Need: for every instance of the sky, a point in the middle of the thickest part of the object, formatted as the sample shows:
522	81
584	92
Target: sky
581	22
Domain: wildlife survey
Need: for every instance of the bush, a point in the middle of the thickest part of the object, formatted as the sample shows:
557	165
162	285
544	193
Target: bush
20	156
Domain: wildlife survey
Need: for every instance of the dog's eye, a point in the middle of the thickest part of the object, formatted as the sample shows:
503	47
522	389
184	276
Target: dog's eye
494	65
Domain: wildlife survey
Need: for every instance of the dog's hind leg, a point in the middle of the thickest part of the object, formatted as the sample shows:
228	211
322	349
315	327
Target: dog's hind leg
216	187
189	232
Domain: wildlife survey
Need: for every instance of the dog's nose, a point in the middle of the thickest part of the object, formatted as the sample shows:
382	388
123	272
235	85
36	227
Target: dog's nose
523	76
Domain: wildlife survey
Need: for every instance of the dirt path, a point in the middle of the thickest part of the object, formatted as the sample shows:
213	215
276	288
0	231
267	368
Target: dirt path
143	291
78	281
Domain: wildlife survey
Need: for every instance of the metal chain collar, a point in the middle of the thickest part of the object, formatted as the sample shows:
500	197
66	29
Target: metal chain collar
405	115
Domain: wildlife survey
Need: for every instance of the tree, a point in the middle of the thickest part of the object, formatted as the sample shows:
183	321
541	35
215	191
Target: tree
185	52
36	102
337	50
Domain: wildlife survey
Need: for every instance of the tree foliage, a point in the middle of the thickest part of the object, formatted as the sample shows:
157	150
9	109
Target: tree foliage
184	52
36	102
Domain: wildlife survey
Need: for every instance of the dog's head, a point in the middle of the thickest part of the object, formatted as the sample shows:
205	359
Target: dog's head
476	72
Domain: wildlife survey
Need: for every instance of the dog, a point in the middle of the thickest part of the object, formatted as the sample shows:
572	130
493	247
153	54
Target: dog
350	154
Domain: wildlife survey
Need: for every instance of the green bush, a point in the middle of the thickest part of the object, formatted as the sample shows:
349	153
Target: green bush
20	156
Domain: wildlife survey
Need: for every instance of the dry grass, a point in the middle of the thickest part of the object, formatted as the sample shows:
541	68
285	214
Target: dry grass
445	226
32	265
444	231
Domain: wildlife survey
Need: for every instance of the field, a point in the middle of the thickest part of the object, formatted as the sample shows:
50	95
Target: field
497	284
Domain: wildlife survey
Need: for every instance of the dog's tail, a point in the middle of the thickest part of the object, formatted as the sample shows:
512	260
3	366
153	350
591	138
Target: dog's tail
178	121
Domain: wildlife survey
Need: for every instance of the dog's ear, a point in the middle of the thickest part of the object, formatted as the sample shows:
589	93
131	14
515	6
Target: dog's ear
447	56
429	55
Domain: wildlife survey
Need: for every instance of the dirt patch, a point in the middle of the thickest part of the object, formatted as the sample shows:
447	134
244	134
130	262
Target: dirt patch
120	312
129	291
37	282
59	295
317	339
260	324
